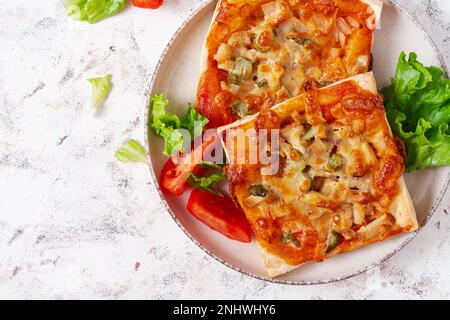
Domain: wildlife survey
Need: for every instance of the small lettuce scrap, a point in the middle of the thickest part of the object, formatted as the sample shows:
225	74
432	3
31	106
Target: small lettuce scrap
206	183
208	165
131	151
169	125
418	109
93	11
100	89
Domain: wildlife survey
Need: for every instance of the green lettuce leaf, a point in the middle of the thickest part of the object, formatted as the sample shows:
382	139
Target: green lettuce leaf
161	118
93	11
194	122
131	151
100	90
208	165
173	140
418	109
206	183
168	125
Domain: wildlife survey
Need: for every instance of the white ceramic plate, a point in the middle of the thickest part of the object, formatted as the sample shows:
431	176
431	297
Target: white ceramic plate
176	77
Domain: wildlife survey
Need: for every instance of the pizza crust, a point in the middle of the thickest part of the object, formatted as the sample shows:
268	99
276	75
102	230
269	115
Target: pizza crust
377	7
275	265
205	51
401	208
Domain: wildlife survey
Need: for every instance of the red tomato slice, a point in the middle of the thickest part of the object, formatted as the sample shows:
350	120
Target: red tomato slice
174	176
212	102
148	4
220	214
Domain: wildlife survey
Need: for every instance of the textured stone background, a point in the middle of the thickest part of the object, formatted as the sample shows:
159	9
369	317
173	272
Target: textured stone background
74	223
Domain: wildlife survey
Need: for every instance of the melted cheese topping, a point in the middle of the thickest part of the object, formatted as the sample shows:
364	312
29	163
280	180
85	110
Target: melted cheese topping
283	43
338	175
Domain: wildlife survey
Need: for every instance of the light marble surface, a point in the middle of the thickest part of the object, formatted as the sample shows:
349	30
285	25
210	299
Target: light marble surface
75	223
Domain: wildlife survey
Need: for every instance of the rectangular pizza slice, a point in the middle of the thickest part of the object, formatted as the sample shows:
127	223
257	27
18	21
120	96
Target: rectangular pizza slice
260	52
319	174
